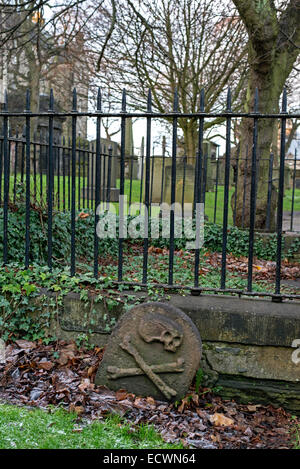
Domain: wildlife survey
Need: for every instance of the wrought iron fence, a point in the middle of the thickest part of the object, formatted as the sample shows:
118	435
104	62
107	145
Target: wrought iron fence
72	175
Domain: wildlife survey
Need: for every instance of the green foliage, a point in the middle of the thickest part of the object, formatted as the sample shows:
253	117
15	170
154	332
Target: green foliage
294	248
237	242
20	317
82	340
61	237
199	379
26	313
296	433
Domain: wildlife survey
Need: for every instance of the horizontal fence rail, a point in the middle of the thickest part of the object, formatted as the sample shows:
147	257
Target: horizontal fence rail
71	175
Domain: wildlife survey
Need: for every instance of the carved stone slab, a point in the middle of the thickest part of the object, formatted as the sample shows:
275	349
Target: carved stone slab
154	350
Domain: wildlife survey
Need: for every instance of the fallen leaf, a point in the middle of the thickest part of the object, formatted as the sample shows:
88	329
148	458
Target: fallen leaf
83	215
121	395
253	408
78	409
220	420
25	344
86	384
45	365
91	370
150	400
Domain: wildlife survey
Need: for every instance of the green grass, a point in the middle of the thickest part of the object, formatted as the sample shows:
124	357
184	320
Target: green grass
21	428
135	196
210	204
287	201
58	189
296	435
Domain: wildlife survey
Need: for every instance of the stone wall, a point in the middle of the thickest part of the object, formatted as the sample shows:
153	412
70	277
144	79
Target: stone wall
247	343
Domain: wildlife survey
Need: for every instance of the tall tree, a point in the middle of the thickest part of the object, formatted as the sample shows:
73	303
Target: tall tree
182	44
274	45
36	44
40	58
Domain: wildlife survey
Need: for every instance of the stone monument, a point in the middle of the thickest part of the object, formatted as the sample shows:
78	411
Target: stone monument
154	350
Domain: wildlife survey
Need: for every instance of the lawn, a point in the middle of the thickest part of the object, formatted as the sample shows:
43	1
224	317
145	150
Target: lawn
21	428
210	204
61	193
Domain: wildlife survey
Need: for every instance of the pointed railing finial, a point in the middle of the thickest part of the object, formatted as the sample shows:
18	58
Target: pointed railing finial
202	100
175	102
124	100
5	107
284	100
99	100
256	100
74	101
51	101
149	101
27	100
228	102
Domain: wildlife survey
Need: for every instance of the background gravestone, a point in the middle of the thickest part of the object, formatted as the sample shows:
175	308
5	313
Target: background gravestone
154	350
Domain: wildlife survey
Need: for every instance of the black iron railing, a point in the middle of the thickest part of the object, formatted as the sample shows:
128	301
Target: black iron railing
70	175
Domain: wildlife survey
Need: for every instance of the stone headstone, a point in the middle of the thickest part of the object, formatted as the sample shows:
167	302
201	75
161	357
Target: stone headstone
154	350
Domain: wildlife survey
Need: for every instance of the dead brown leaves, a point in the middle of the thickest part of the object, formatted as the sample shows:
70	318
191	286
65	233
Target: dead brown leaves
262	270
83	215
61	374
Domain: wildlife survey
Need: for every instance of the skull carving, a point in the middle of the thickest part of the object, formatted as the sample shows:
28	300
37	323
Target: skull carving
156	327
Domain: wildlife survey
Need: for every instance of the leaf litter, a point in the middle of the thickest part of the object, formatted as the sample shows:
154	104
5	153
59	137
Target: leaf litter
61	374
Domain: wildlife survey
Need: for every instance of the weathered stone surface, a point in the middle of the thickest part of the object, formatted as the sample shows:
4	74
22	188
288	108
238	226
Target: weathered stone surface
242	320
88	317
229	328
260	391
273	363
154	350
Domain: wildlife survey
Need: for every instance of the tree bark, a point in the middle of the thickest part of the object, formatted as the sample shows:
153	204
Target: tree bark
272	52
190	136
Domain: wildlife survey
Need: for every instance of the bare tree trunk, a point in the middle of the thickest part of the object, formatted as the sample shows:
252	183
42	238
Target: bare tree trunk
190	135
265	144
271	58
34	76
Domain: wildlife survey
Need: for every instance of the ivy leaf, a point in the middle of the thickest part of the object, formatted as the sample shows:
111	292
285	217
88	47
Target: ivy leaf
3	302
11	288
29	288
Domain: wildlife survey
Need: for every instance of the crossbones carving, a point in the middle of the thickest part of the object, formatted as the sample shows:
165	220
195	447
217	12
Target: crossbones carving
148	370
173	367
